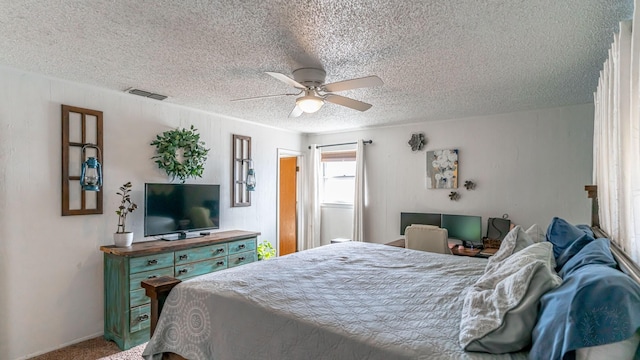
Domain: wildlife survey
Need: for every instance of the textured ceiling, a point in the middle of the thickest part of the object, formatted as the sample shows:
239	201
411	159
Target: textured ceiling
438	59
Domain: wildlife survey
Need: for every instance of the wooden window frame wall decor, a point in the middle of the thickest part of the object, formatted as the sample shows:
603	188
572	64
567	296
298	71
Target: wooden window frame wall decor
74	136
241	157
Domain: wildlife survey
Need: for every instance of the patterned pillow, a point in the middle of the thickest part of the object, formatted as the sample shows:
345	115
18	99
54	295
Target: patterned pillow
516	240
500	309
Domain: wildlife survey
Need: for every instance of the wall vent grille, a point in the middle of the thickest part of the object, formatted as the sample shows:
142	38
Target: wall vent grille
145	94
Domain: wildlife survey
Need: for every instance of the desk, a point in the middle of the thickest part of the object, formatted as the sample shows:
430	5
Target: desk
452	247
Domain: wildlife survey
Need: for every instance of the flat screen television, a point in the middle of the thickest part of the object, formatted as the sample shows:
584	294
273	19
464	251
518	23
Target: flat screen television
407	219
467	228
175	210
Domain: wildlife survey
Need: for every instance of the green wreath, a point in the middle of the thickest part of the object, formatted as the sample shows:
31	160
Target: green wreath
194	154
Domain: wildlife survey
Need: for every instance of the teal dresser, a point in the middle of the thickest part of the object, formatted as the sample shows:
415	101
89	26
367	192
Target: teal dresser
127	312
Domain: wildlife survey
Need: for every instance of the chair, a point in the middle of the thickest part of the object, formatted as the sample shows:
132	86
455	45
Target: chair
427	238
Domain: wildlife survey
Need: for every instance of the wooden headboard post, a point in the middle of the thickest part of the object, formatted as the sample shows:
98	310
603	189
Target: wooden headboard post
158	289
592	193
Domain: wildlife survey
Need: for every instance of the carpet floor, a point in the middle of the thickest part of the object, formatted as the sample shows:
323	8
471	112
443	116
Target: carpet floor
93	349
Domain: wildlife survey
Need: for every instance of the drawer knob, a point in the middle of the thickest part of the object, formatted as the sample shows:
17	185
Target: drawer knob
220	250
183	257
143	317
152	262
241	259
241	246
183	271
152	276
220	263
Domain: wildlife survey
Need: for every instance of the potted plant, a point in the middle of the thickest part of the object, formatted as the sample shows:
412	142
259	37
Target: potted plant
265	250
122	237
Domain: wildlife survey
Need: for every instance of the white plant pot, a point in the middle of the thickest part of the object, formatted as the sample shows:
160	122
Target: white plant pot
124	239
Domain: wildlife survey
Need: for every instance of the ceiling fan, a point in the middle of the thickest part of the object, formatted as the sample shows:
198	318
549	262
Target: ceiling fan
310	81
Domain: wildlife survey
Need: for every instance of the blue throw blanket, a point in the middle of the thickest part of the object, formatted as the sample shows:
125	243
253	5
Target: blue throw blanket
595	305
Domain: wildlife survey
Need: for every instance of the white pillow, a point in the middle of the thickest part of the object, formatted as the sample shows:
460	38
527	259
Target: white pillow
501	308
516	240
536	233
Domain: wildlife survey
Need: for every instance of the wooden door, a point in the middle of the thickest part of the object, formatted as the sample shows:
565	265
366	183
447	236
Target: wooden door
288	218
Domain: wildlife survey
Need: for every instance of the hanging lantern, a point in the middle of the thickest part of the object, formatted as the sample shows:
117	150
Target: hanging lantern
251	180
91	173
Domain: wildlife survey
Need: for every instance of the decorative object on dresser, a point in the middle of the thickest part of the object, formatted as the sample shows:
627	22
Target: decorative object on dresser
122	237
81	150
127	310
180	153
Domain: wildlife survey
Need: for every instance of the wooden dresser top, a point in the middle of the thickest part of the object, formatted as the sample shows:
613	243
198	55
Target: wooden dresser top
157	246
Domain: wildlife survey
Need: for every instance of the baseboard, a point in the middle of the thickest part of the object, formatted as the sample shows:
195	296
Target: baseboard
88	337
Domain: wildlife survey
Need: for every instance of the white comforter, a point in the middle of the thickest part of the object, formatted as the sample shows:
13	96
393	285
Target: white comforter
341	301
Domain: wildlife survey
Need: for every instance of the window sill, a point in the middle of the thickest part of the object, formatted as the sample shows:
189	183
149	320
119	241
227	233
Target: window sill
337	205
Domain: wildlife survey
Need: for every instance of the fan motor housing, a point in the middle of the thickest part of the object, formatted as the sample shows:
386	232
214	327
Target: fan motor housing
310	77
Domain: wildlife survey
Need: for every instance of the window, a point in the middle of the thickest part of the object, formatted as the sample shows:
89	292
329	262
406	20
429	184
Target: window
338	176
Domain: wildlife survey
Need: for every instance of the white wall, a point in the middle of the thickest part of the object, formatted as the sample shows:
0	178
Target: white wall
50	265
337	222
531	165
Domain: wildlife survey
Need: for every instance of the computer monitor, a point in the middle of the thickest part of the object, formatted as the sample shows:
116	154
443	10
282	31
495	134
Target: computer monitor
407	219
467	228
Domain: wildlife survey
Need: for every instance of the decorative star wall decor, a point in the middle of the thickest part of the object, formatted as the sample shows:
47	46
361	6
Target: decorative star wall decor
417	141
469	185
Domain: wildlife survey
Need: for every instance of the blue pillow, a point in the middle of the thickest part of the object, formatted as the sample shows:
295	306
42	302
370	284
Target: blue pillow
594	252
572	249
562	234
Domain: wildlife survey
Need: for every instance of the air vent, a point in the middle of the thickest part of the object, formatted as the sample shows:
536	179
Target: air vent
146	94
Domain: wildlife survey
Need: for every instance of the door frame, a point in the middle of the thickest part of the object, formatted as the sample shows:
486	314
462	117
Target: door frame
299	208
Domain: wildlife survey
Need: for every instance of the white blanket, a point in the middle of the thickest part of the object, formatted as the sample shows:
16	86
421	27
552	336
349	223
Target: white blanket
341	301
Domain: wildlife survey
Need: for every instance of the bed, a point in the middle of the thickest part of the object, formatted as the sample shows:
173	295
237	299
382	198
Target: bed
370	301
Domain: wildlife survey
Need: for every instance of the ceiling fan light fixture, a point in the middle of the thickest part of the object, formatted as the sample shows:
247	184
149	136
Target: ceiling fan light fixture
309	103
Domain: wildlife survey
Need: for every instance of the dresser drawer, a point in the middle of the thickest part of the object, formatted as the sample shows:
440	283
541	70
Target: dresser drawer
140	318
186	271
201	253
138	297
135	279
242	258
242	245
150	262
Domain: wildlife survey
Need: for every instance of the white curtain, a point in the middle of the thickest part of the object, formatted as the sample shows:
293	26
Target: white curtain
312	199
617	141
358	201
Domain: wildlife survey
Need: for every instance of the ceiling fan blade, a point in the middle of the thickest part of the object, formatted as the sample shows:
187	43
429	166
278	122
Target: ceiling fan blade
263	97
284	78
345	101
295	112
367	81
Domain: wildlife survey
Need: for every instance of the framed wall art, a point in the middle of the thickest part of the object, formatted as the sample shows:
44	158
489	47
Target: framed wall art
442	169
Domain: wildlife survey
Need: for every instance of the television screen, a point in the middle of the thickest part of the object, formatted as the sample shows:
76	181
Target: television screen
407	219
463	227
180	208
